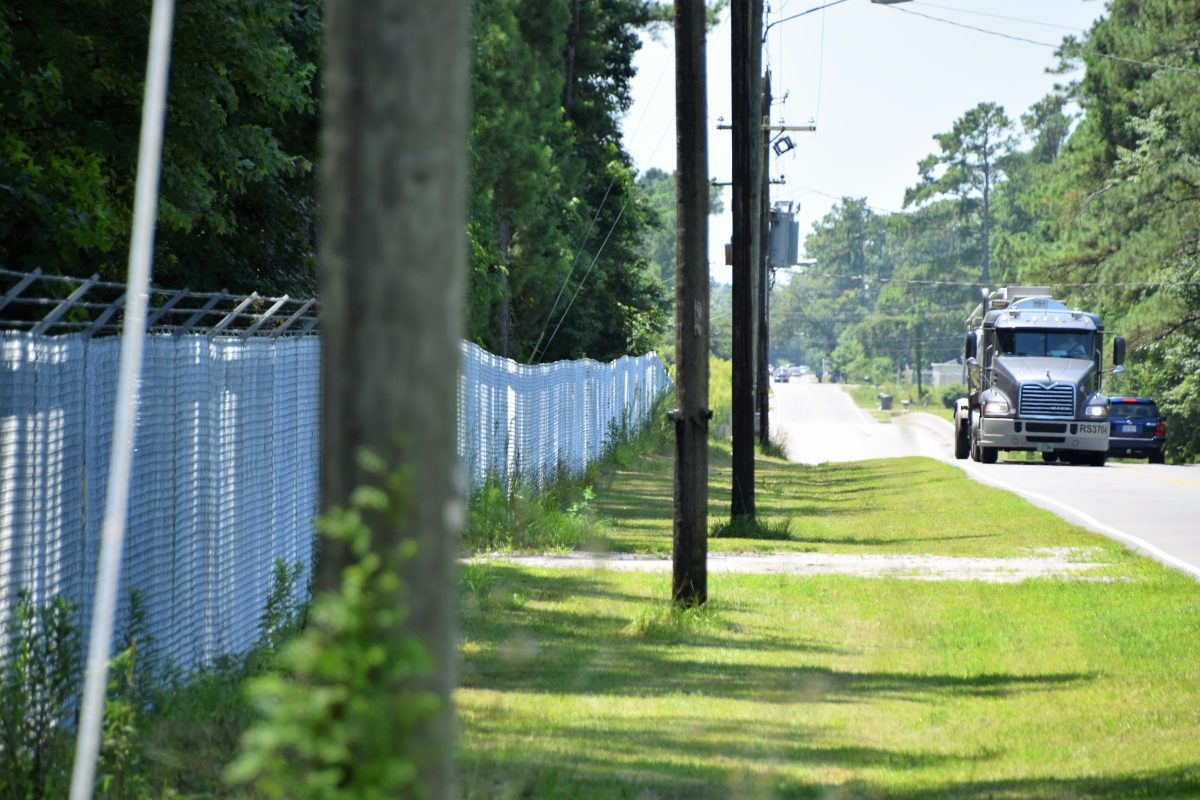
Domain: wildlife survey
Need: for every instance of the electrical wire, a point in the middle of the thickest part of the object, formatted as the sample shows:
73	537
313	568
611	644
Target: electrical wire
1082	50
536	352
998	16
583	280
801	14
942	282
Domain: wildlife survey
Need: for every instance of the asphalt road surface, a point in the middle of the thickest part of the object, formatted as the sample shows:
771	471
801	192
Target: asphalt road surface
1154	508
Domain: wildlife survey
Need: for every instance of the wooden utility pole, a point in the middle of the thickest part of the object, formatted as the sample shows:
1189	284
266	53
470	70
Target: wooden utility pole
392	271
689	586
746	54
764	282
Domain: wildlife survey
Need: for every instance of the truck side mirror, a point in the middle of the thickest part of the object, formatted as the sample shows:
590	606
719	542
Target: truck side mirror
1118	350
969	347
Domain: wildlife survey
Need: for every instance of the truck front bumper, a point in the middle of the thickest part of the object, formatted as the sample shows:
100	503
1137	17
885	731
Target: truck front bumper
1046	436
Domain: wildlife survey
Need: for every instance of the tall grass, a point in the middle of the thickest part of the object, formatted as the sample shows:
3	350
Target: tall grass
559	515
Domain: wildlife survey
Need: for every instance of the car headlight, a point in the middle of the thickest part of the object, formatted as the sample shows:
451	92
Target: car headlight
1096	412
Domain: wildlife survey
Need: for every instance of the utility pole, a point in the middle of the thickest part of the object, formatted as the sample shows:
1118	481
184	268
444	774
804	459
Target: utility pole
747	125
689	584
392	269
764	295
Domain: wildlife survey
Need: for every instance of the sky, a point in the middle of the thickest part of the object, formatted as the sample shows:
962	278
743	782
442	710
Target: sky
878	81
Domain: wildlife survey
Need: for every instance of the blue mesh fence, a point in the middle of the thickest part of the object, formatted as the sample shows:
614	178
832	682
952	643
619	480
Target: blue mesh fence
225	472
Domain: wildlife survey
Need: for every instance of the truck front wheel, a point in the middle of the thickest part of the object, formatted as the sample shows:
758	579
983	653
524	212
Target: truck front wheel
962	440
987	455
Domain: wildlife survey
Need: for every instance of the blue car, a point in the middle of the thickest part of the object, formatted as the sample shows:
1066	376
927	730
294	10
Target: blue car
1136	429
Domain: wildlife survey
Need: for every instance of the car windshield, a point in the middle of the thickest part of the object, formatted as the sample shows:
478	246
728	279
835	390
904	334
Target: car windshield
1056	344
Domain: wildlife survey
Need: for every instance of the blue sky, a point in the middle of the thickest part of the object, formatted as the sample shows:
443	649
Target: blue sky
878	81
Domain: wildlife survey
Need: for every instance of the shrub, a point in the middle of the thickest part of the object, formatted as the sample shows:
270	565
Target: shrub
951	393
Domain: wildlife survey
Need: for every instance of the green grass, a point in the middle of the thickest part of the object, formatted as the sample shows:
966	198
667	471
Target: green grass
868	506
587	684
866	396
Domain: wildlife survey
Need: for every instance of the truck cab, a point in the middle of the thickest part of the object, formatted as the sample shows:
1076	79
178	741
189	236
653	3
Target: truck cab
1033	372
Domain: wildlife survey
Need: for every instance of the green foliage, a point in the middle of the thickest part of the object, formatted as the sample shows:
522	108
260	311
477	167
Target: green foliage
720	393
952	393
39	681
667	623
341	717
522	519
284	611
193	725
773	448
559	515
556	219
748	527
237	182
1101	205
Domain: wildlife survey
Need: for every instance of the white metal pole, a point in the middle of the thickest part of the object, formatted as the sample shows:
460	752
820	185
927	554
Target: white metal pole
112	534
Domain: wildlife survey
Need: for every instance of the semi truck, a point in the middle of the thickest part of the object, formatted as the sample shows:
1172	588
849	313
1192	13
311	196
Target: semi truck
1033	370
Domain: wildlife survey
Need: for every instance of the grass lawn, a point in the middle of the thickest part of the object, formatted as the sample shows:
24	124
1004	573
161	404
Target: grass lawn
585	684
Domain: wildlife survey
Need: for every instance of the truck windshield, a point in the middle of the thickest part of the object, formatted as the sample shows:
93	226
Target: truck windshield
1056	344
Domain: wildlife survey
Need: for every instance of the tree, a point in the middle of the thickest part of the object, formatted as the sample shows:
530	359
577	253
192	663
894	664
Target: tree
849	246
970	163
1118	207
392	273
557	265
236	208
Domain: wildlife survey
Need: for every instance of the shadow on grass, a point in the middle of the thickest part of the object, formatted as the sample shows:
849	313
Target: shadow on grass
676	757
520	643
689	757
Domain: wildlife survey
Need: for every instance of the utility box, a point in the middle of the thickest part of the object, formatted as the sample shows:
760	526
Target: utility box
784	240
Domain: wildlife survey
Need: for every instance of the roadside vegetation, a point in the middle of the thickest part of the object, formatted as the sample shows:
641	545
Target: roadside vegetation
588	684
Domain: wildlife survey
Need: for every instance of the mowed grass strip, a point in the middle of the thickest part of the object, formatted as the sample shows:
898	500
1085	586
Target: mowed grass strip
586	684
905	505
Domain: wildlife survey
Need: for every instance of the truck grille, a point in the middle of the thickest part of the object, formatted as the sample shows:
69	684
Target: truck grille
1040	401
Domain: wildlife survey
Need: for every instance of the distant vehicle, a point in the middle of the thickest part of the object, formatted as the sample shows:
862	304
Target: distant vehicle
1136	429
797	372
781	375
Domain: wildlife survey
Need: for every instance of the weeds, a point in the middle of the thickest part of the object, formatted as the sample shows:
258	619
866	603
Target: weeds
773	448
39	680
343	715
666	622
559	515
283	613
751	528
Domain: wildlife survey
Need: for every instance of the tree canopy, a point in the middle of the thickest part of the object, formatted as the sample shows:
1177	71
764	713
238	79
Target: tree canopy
237	181
557	227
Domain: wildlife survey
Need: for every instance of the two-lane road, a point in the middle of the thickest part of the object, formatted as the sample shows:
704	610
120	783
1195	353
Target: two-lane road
1155	508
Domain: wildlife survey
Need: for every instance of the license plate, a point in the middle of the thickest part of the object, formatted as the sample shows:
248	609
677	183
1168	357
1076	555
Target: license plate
1129	429
1045	448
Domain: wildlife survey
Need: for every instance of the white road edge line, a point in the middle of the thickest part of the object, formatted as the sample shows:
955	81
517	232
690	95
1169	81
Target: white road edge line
1091	522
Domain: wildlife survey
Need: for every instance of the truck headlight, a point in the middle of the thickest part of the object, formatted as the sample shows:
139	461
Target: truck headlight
1096	412
996	405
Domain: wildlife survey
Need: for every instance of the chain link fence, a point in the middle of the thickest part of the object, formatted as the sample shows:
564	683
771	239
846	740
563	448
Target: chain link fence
225	472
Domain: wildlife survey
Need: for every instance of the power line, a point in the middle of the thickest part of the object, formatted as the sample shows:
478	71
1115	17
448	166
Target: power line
583	280
1000	16
942	282
533	356
1081	50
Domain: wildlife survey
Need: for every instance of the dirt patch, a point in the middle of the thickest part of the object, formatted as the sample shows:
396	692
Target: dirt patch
1047	563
